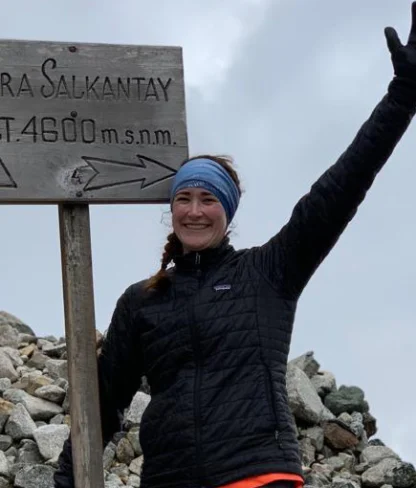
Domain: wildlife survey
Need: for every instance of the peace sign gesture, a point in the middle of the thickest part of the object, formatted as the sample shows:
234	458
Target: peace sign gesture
403	56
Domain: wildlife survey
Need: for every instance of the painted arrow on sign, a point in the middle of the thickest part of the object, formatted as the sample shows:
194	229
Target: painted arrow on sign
105	173
6	179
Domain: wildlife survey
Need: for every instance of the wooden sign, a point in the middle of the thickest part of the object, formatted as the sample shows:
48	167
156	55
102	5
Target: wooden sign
90	123
81	124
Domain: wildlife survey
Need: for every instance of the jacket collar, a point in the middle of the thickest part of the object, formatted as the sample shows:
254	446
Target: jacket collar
203	259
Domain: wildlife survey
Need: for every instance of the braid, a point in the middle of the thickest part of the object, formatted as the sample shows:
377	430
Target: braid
172	248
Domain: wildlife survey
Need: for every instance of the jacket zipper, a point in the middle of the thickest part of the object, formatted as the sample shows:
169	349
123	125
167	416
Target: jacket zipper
269	394
197	385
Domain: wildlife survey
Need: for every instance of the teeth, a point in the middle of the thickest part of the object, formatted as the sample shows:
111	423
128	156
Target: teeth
196	226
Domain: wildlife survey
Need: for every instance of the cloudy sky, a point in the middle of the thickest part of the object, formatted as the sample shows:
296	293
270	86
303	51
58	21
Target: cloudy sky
283	86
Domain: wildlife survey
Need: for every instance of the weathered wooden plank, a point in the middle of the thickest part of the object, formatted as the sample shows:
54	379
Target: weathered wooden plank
90	123
81	345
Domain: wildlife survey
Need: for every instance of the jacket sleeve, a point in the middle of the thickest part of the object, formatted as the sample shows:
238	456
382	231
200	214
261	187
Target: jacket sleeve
120	371
290	258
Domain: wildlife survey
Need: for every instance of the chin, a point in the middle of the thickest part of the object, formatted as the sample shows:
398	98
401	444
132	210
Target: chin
196	246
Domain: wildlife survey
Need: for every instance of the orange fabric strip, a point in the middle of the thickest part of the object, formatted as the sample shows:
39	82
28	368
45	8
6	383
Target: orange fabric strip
260	480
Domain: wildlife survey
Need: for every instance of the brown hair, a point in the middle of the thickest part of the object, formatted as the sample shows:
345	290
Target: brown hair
173	246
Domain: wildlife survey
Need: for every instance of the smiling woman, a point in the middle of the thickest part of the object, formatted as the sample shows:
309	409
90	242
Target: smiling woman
212	333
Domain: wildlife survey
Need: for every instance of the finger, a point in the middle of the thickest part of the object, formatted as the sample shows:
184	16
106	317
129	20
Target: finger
393	41
412	34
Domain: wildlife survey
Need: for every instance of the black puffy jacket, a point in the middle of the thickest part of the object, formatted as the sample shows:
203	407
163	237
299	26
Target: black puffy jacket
214	346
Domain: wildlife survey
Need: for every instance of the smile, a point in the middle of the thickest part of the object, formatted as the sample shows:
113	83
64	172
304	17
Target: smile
196	226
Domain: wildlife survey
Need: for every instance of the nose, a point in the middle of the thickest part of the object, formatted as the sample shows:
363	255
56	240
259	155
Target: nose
195	208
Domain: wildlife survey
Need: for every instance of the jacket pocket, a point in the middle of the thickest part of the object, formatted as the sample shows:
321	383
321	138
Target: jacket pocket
268	385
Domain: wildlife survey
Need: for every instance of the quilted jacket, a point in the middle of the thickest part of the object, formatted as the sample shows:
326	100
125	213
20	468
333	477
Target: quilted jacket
214	345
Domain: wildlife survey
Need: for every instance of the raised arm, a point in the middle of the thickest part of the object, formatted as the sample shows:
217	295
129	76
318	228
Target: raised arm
119	376
291	257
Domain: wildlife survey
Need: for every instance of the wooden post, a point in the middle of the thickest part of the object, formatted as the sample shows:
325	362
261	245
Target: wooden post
74	223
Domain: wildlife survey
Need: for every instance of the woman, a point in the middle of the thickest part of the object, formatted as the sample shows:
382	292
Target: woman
212	332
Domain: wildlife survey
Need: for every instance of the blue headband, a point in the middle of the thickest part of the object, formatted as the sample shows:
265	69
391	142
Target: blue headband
207	174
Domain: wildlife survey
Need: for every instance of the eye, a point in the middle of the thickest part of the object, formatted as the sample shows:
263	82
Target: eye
181	198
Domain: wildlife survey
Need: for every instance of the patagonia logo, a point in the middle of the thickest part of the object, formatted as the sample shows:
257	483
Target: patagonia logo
222	287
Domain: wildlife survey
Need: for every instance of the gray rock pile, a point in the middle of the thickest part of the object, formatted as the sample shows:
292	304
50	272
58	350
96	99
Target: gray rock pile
335	427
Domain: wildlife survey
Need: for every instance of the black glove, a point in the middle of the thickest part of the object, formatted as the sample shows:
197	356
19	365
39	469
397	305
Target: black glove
403	87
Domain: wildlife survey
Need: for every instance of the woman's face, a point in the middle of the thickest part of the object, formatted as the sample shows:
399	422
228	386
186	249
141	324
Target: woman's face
198	219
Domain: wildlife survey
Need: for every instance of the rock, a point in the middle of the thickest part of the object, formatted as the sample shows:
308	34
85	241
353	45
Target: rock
307	451
403	476
381	473
316	480
6	408
316	435
57	368
54	351
4	465
345	418
324	382
136	409
323	469
304	402
26	339
5	442
8	336
7	370
33	382
66	404
50	439
340	482
356	424
338	436
14	355
38	360
5	384
61	382
15	323
39	409
20	424
43	342
121	470
113	481
58	419
4	483
34	476
370	424
51	393
133	437
28	350
347	399
133	481
360	468
363	444
348	460
29	453
306	363
109	455
376	442
335	462
136	465
124	451
374	454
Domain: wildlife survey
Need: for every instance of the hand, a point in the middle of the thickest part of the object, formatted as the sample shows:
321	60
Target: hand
403	57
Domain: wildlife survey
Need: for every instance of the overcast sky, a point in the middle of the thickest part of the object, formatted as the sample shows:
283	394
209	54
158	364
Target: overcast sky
283	86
